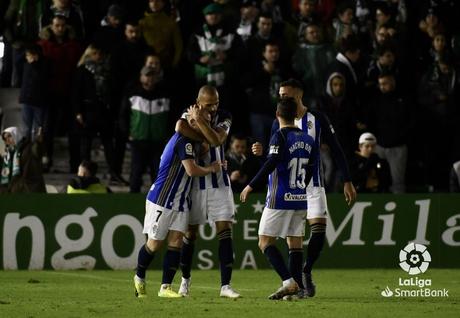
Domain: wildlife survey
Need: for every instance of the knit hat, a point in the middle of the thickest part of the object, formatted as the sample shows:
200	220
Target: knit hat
115	11
213	8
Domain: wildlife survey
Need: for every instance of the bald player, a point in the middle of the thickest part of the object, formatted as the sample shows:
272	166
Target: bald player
211	196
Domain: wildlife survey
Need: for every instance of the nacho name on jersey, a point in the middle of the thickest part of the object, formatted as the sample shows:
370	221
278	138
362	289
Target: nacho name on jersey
299	145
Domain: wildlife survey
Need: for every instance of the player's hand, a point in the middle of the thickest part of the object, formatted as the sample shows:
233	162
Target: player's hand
193	112
257	149
245	193
215	166
235	175
204	59
350	192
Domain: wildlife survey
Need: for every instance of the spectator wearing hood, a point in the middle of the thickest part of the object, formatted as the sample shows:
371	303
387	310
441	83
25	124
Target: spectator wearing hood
21	167
110	33
341	113
86	181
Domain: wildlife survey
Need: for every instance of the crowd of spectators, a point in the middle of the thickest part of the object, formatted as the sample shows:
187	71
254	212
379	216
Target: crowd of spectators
123	71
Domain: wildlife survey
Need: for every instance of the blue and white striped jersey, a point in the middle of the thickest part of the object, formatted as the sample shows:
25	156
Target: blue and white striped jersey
222	119
317	125
172	185
289	167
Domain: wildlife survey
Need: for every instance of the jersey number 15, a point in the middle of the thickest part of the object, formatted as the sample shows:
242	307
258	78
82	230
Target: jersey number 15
298	173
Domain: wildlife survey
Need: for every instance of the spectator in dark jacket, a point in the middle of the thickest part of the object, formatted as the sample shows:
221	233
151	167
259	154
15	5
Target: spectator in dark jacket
33	94
369	172
110	33
91	104
342	115
20	166
262	84
438	97
390	119
346	64
241	165
144	118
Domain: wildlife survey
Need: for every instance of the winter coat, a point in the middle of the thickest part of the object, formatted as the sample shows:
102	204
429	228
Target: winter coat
162	33
63	58
310	63
370	174
34	84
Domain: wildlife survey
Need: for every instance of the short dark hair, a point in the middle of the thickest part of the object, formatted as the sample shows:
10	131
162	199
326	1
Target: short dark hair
287	109
132	22
91	166
60	17
381	50
238	136
350	44
386	73
265	15
344	6
292	83
385	8
34	49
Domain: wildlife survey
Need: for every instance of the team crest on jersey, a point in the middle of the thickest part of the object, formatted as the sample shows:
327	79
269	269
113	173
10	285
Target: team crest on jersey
189	149
309	124
274	149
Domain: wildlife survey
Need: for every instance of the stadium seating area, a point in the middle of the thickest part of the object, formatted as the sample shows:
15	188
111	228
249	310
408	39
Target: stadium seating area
388	67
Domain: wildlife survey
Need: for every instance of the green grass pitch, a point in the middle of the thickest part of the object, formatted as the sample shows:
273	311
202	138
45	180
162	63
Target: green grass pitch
340	293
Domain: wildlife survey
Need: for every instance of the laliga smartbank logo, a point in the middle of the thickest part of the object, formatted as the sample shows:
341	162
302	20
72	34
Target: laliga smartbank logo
414	259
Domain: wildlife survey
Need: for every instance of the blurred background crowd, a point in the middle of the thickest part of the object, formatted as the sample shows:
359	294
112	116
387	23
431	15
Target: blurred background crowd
116	75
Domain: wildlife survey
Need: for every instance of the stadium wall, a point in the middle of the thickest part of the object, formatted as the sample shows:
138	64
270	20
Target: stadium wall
105	232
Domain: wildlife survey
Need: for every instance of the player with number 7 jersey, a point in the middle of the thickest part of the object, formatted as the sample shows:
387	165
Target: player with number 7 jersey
166	210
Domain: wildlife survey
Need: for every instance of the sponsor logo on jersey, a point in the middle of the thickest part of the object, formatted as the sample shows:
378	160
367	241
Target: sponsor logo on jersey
295	197
274	149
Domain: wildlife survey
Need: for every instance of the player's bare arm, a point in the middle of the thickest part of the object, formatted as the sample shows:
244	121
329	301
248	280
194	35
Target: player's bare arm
215	137
183	127
194	170
245	193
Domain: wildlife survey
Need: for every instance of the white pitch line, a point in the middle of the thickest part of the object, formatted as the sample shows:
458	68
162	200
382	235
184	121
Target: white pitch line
129	280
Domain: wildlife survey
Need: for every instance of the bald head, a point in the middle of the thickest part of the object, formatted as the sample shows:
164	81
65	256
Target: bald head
208	90
208	98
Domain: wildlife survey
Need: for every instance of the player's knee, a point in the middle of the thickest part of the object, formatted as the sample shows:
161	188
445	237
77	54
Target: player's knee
263	244
223	225
175	239
153	245
192	233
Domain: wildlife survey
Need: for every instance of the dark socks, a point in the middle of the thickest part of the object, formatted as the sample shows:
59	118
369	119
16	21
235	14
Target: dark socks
186	257
225	255
318	234
170	264
276	260
144	259
295	265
